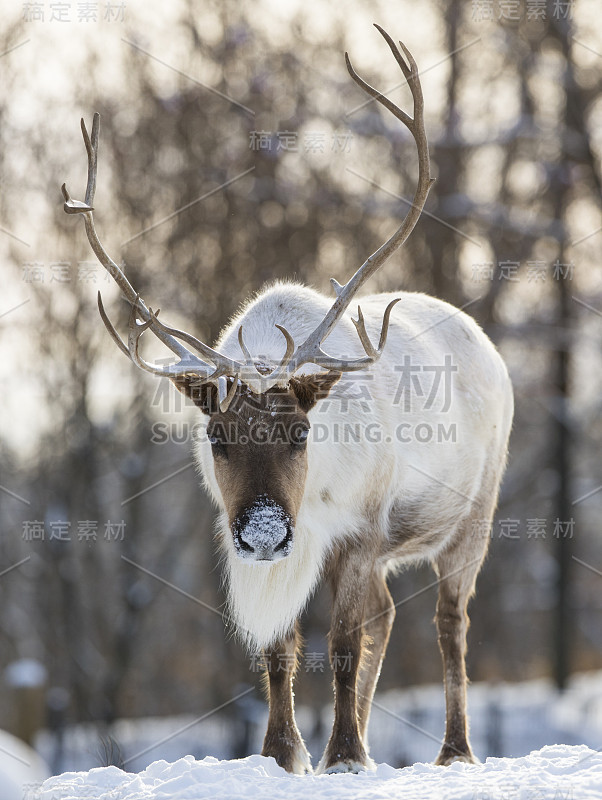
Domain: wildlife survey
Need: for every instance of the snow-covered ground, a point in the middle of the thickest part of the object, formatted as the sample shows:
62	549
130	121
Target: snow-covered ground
560	772
542	745
406	726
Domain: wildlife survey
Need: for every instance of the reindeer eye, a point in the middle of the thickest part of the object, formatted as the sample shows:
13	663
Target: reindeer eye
299	434
218	442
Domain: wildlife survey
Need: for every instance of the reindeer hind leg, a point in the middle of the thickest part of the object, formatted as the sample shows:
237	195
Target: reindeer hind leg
457	568
379	614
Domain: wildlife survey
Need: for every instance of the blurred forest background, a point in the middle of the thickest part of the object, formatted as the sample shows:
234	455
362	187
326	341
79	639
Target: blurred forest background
108	571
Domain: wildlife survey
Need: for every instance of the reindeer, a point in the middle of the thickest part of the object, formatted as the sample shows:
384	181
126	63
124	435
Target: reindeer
293	510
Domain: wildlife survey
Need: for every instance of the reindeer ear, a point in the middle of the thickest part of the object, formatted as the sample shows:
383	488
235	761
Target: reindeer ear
203	395
308	389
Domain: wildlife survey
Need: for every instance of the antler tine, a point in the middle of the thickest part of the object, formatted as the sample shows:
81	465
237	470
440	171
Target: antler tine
92	151
290	346
249	362
384	331
225	395
136	329
410	73
407	70
388	104
360	327
109	326
310	350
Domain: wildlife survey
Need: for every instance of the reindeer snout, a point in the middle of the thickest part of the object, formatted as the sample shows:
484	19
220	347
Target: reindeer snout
263	531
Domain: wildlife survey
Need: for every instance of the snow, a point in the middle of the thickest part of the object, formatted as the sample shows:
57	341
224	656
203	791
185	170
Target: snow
263	527
507	720
557	772
406	726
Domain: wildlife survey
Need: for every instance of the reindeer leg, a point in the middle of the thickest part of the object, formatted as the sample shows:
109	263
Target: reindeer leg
282	739
345	751
457	569
379	616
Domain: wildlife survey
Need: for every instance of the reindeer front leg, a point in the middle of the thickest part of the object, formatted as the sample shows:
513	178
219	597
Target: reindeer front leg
282	739
350	580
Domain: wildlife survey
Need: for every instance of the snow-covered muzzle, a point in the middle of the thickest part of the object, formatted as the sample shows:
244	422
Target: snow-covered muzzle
263	531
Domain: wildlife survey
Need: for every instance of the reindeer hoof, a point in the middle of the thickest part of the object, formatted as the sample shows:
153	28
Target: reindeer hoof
301	763
450	755
296	761
345	765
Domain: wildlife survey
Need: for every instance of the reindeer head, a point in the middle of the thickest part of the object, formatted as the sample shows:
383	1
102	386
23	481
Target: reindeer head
259	451
258	424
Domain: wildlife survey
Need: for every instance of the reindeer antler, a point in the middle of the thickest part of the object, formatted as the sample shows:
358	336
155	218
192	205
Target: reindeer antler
213	366
311	350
